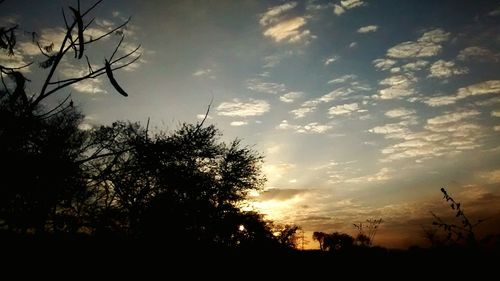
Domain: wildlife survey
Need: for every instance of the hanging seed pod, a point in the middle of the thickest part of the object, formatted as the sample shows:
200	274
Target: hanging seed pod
112	80
79	22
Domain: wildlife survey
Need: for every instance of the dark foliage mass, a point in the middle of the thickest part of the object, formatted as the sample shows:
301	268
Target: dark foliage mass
182	189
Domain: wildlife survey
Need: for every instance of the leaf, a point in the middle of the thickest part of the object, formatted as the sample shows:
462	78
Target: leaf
109	73
49	48
452	206
79	22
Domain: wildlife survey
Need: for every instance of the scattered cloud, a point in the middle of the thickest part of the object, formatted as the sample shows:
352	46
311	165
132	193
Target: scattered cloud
398	86
452	117
345	5
301	112
482	88
259	86
311	128
368	28
495	113
237	108
202	72
428	45
440	100
331	60
238	123
272	15
415	66
291	96
384	64
477	53
290	30
343	109
280	194
400	113
446	69
383	174
343	79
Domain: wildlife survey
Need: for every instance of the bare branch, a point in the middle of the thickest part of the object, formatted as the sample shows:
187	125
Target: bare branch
109	32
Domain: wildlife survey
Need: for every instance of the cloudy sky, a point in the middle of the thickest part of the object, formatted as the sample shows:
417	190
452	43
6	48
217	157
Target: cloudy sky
363	109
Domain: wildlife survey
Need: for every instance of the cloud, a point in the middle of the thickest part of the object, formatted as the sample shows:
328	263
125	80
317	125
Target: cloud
383	174
399	86
383	64
301	112
273	14
353	44
491	176
393	130
202	72
343	79
87	86
415	66
495	113
202	116
238	123
368	28
331	60
291	96
311	128
452	117
476	53
446	69
280	194
399	113
494	13
237	108
426	46
482	88
345	5
440	100
257	85
290	30
344	109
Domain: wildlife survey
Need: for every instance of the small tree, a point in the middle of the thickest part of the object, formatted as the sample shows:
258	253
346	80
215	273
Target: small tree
367	231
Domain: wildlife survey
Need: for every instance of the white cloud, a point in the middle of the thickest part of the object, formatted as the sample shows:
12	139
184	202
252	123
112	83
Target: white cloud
338	10
390	129
202	72
88	86
368	28
291	96
343	79
495	113
446	69
343	109
383	64
302	111
273	13
257	85
311	128
290	30
202	116
399	113
331	60
477	53
383	174
353	44
452	117
415	66
482	88
237	108
238	123
496	128
426	46
399	86
440	100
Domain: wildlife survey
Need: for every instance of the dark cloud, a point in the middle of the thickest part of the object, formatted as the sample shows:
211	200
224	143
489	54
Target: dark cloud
280	194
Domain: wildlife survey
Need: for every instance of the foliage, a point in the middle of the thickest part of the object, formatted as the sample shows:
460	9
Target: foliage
367	231
456	234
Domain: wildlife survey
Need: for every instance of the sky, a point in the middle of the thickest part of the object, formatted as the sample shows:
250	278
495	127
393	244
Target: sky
362	109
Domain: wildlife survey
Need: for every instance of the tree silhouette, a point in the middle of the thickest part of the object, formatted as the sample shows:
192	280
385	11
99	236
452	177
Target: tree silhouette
337	242
42	148
320	237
